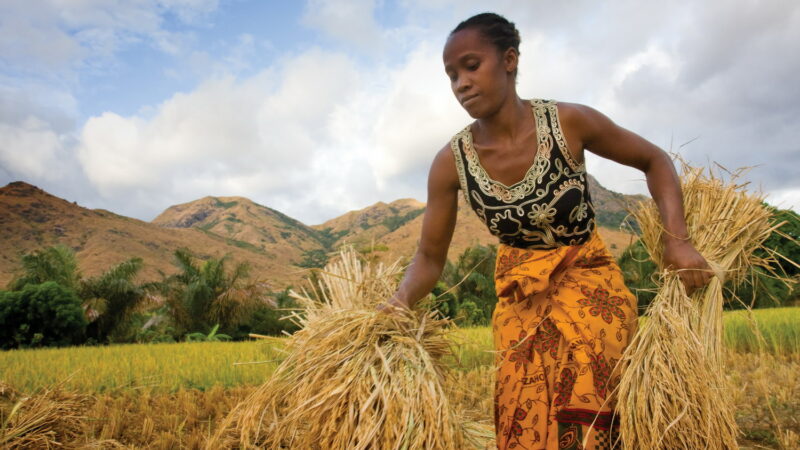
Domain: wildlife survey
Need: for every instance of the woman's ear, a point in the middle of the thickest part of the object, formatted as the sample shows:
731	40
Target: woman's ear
511	60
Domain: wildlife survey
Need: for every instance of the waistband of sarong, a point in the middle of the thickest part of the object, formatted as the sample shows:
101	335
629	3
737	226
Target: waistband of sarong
509	257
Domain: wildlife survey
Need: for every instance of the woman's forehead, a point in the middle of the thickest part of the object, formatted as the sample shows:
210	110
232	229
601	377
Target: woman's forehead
464	42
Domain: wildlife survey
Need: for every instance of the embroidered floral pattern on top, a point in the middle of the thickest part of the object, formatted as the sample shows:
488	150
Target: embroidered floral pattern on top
549	207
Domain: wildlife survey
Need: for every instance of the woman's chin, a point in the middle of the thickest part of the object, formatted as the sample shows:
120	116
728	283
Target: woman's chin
475	113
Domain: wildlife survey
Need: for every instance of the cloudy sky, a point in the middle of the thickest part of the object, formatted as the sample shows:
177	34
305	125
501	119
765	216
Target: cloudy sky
316	108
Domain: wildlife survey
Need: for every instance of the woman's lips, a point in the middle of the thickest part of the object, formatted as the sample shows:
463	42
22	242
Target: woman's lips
468	99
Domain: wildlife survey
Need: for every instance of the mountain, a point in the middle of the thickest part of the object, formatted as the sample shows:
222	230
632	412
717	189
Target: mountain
391	231
30	218
470	230
248	224
277	246
610	207
364	226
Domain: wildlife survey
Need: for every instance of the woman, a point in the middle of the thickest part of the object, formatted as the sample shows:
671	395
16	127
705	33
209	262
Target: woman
564	315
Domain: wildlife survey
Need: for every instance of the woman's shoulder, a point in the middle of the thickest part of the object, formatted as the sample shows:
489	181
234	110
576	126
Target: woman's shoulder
566	111
573	110
575	116
444	167
583	119
562	107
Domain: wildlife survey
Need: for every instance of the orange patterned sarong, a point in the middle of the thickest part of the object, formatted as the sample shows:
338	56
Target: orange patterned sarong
562	321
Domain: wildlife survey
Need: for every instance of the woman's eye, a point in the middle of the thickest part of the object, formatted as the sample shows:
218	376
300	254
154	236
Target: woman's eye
473	66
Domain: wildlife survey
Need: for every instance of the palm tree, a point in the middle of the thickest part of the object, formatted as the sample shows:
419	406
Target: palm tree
108	299
113	297
56	263
200	295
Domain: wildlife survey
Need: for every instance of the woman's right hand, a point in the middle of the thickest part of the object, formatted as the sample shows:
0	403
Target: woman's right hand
392	306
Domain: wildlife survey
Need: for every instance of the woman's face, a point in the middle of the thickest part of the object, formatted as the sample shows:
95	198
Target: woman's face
479	74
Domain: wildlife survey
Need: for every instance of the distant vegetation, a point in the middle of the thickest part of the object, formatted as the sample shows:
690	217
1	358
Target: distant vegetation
220	204
327	237
611	219
396	221
465	291
50	303
169	367
40	315
760	290
315	258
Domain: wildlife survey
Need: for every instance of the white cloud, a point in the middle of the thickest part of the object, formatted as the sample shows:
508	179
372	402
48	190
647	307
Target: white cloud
215	122
785	198
352	22
417	116
319	132
34	41
56	35
254	137
30	148
45	46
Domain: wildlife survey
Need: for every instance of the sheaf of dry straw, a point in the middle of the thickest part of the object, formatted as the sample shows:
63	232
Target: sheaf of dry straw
673	392
353	377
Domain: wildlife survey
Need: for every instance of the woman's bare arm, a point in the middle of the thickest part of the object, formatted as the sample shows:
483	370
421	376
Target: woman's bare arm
437	231
605	138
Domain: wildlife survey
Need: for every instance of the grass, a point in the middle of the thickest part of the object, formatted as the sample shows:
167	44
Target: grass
174	395
201	365
137	418
780	328
157	367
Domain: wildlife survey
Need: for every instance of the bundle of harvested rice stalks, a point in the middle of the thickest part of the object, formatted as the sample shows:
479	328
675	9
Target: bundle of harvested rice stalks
46	419
355	378
672	394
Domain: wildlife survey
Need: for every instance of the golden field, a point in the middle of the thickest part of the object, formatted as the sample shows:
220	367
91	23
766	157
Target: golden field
173	395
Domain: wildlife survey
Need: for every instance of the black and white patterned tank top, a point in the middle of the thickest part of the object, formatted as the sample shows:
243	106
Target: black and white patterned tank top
550	207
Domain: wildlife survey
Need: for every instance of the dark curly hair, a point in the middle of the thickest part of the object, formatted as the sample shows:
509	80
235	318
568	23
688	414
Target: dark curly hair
495	28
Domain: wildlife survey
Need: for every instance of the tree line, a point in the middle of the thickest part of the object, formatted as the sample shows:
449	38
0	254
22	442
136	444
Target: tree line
51	303
762	288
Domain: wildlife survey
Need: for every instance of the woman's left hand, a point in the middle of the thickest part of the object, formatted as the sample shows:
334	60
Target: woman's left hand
692	267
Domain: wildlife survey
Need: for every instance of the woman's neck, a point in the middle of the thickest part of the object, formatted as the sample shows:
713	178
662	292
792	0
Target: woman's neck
510	121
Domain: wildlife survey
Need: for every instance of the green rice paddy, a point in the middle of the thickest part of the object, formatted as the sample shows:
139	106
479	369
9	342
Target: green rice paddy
201	365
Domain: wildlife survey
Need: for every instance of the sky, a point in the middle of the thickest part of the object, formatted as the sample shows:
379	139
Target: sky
320	107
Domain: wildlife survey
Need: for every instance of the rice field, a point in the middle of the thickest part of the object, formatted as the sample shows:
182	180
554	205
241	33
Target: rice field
779	327
163	367
201	365
176	395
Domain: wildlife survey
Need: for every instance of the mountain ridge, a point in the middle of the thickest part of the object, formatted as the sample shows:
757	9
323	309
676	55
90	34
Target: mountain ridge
31	218
278	247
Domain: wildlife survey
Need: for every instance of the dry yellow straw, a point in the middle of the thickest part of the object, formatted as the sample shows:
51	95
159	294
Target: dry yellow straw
355	378
673	392
46	419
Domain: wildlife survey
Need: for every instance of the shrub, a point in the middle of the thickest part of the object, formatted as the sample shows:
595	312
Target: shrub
40	315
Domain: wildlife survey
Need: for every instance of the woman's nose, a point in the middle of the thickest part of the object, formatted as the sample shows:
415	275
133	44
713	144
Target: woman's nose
463	83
